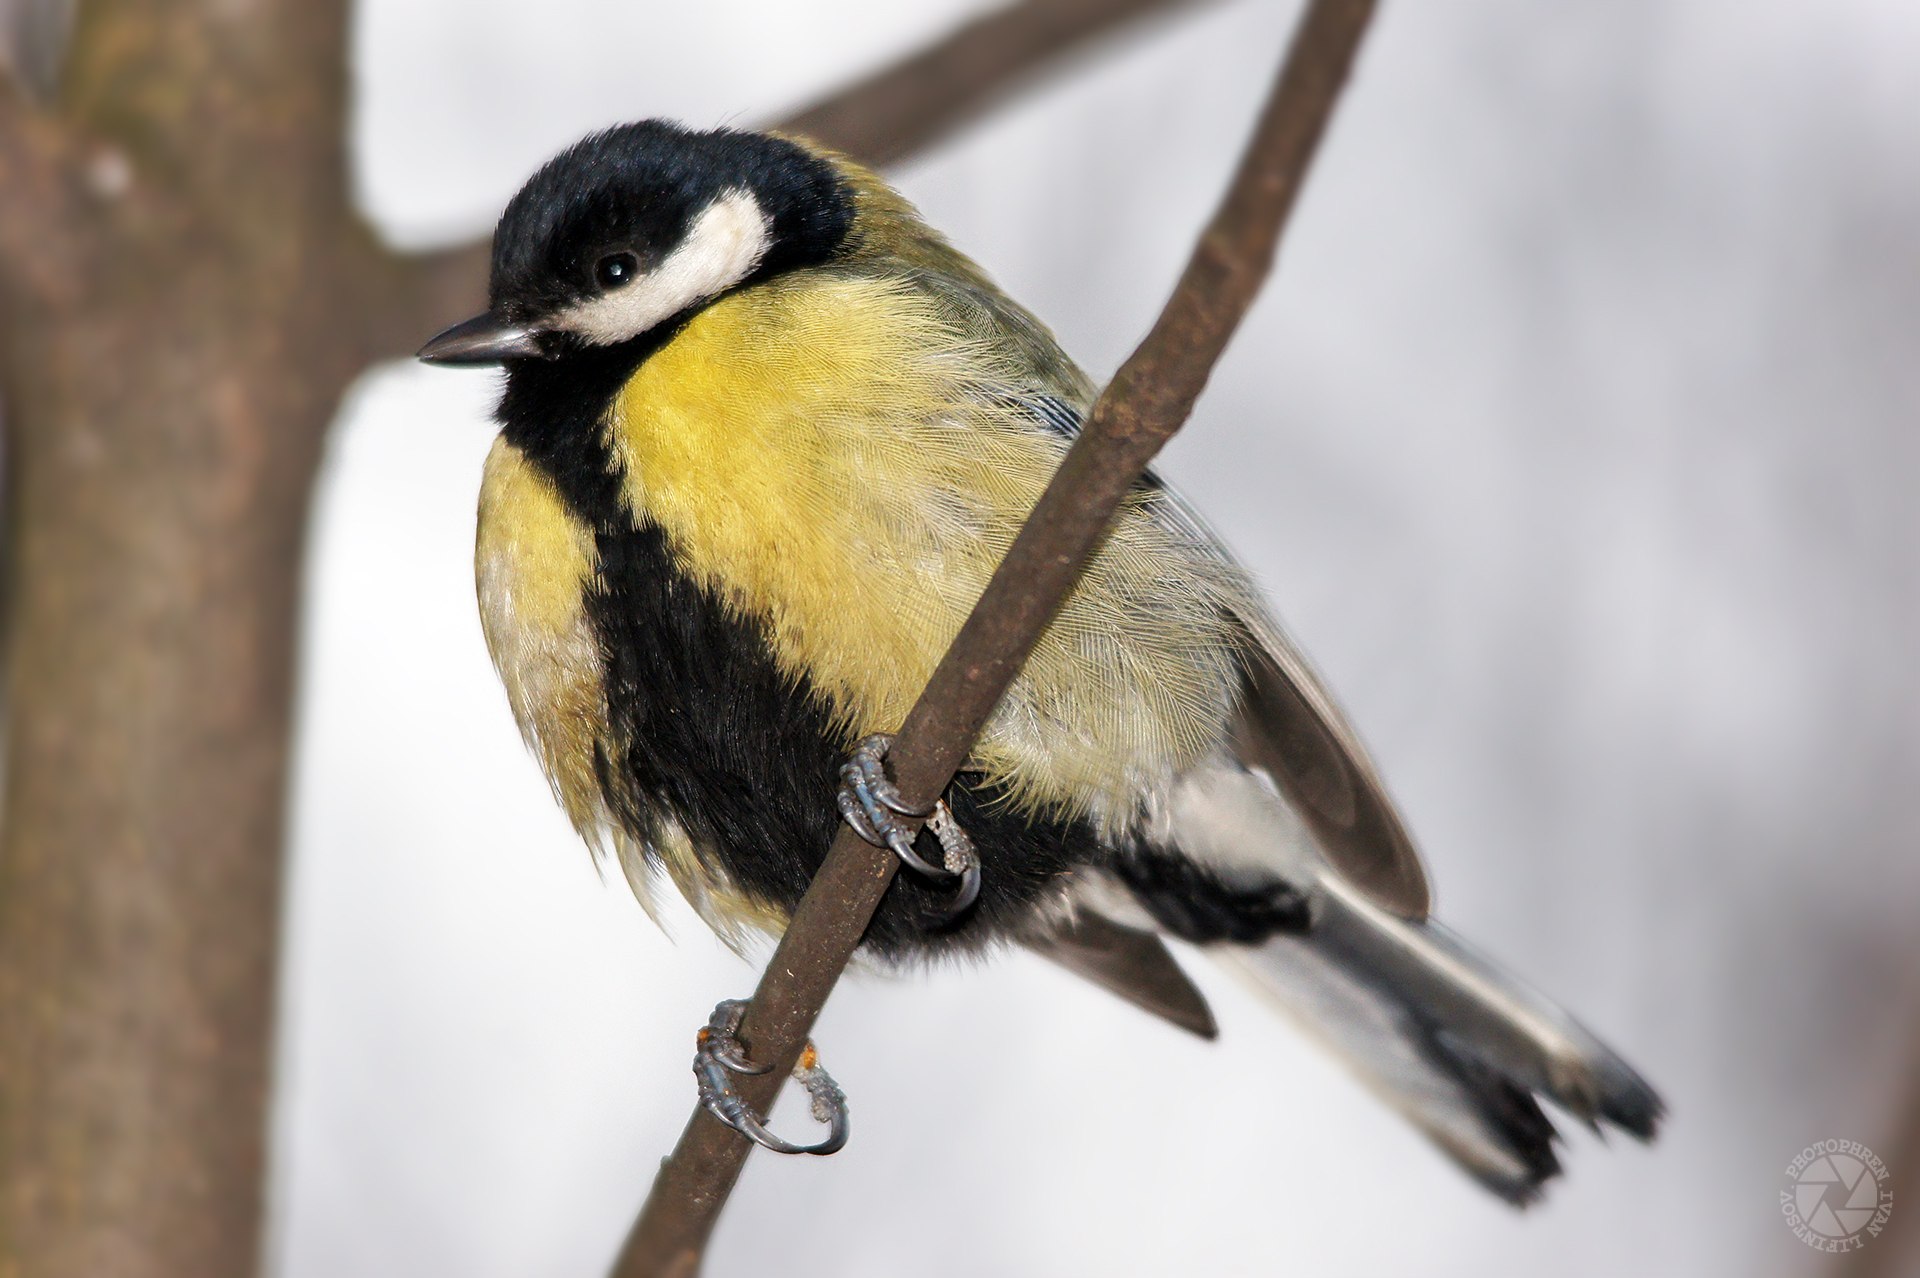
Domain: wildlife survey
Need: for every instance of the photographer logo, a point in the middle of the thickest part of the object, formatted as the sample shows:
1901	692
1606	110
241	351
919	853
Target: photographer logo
1837	1195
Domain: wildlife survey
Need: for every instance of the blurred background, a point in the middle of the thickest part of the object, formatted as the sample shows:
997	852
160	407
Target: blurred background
1576	437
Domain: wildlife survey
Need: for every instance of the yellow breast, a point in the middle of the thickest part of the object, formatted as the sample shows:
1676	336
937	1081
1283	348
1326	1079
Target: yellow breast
532	563
831	455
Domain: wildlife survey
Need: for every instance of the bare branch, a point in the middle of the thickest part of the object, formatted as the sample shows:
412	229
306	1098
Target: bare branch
879	120
1148	400
916	102
420	294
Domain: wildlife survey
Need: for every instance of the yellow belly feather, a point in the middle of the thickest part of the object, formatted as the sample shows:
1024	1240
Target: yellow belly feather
532	562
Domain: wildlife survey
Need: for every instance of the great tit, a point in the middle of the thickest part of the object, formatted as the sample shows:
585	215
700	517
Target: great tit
764	436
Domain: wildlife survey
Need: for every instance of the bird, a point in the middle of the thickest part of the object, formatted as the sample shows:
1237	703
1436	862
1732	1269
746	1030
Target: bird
764	434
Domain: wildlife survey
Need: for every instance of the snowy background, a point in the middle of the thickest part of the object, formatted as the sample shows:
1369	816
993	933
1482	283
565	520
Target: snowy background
1576	439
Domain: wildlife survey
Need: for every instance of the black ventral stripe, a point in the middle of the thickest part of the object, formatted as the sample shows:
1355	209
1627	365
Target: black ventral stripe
551	411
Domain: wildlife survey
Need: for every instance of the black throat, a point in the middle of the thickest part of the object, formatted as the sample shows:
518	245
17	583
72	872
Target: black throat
553	410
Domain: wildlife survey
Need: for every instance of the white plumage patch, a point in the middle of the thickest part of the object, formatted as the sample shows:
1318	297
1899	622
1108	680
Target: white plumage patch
1235	822
721	248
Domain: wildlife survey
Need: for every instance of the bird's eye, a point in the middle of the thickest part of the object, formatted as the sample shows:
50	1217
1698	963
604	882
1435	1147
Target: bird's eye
616	269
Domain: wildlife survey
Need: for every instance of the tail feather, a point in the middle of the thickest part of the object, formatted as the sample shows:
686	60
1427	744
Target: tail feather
1462	1049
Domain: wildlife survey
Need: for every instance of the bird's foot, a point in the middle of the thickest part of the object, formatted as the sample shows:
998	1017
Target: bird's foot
718	1055
871	803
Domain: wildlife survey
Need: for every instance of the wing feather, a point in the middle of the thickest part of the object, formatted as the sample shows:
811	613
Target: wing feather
1288	725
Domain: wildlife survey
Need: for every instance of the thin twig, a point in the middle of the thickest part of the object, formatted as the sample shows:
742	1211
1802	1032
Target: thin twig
878	120
1148	400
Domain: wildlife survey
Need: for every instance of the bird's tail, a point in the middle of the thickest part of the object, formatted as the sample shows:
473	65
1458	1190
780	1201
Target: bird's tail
1461	1048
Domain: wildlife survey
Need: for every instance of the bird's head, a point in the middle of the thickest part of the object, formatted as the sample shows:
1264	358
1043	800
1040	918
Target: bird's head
638	225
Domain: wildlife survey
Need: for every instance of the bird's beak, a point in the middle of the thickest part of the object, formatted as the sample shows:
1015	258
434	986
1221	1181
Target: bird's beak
484	339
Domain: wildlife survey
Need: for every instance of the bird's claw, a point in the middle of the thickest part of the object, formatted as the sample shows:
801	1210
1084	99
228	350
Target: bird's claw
718	1051
869	802
960	857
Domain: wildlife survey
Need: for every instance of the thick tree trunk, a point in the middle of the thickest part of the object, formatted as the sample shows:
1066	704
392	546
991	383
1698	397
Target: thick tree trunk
180	281
139	873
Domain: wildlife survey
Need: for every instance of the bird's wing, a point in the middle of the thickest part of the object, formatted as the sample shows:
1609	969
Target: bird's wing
1133	964
1288	725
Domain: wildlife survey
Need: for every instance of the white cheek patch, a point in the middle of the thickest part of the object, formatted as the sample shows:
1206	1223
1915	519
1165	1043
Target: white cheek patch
721	248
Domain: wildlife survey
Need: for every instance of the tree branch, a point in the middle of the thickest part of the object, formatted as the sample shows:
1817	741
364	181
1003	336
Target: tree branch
879	120
1148	400
907	107
422	293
